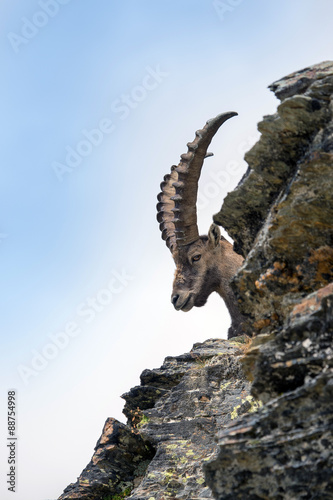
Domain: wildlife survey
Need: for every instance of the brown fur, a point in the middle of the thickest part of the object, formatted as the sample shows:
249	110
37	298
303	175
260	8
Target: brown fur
195	280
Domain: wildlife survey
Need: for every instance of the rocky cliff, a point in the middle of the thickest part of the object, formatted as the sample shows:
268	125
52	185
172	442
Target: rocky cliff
249	419
281	217
173	418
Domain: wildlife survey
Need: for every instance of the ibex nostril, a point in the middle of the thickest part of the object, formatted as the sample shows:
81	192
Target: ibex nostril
174	299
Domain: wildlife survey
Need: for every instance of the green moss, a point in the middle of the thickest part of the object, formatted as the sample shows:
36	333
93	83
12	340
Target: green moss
143	421
120	496
254	442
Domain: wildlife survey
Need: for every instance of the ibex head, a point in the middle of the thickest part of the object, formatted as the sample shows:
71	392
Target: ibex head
204	264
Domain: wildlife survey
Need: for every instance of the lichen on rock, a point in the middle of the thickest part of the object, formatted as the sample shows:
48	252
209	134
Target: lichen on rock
247	419
285	450
172	431
183	423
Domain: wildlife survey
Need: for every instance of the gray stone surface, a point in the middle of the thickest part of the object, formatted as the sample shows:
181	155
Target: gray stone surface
193	430
285	450
285	286
183	423
173	417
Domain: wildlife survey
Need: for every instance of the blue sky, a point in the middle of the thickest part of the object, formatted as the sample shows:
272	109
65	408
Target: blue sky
80	246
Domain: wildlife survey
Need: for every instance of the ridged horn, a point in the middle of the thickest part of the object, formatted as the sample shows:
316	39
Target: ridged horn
177	212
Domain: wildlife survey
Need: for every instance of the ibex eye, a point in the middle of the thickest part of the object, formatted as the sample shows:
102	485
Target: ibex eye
196	258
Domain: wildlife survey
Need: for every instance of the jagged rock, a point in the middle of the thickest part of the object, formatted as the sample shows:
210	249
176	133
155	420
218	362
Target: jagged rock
185	402
292	356
297	138
120	457
285	451
288	243
281	453
154	384
183	423
285	287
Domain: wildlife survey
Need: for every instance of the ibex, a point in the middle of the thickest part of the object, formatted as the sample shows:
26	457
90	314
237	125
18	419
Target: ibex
204	264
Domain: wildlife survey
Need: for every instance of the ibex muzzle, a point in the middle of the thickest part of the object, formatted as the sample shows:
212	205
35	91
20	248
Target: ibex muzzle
204	264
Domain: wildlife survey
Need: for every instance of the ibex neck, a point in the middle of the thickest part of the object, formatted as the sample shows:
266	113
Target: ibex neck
229	263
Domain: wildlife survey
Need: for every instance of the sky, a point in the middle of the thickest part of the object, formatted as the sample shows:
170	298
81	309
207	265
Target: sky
98	101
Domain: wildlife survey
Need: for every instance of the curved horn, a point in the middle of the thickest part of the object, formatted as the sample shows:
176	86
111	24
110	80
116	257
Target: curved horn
177	212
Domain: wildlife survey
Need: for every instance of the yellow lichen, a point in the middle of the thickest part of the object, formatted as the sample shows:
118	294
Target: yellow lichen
234	413
224	386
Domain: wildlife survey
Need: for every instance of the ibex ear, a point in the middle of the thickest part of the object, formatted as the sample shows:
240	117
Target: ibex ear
214	235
